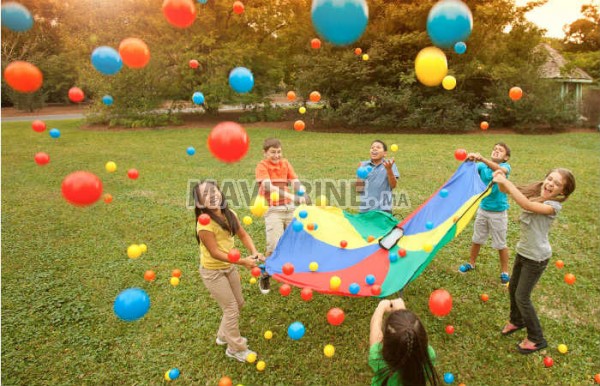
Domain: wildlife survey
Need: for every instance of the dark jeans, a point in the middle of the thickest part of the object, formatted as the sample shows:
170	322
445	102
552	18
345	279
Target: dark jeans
525	275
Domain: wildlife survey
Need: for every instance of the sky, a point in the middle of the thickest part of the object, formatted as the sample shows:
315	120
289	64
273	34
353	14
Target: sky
555	14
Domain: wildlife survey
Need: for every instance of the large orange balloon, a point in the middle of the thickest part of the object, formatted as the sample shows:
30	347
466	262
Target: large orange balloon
23	77
180	13
314	96
515	93
134	52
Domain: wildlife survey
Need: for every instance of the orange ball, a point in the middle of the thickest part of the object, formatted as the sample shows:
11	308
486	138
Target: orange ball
76	95
485	297
358	51
149	275
597	378
176	272
291	95
238	7
484	125
299	125
225	381
515	93
315	43
315	96
23	76
108	198
134	52
570	278
559	264
370	238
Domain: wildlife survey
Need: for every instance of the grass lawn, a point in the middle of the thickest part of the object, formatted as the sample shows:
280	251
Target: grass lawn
63	266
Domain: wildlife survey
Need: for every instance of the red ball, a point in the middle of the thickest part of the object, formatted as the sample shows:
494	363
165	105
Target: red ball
376	290
42	158
133	174
314	96
358	51
335	316
306	294
38	126
450	329
315	43
440	302
234	255
597	378
23	77
179	13
288	268
76	95
285	290
515	93
176	272
460	154
81	188
402	252
484	125
548	362
228	142
255	272
485	297
559	264
108	198
238	7
204	219
149	275
134	52
343	243
299	125
570	278
194	63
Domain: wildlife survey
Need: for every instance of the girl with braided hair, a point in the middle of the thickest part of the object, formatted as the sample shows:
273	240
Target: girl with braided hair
399	353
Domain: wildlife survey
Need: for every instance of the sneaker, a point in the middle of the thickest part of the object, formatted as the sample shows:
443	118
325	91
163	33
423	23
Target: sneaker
504	278
221	342
239	355
465	268
264	284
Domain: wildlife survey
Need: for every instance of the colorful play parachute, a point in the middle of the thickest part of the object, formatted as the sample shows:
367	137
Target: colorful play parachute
325	229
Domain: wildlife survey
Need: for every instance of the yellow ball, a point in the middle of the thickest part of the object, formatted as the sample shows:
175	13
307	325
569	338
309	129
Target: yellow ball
134	251
247	220
335	282
427	247
261	365
110	167
313	266
260	206
251	358
562	348
252	280
329	350
449	82
174	281
322	200
431	66
274	196
268	334
302	110
394	147
365	57
167	378
144	248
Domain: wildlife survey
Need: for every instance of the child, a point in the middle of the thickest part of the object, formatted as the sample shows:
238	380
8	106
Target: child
376	190
541	203
273	174
492	215
219	275
400	354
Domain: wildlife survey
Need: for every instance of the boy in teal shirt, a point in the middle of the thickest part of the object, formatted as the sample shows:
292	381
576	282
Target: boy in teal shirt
492	216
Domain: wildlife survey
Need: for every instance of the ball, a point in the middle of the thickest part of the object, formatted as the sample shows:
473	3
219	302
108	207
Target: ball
440	302
484	297
460	48
76	95
174	281
247	220
179	13
288	268
238	7
335	316
110	167
41	158
204	219
340	22
460	154
548	362
562	348
484	125
133	174
343	244
291	96
313	266
143	247
108	100
107	198
448	377
131	304
134	251
402	252
23	76
241	80
296	330
450	329
299	125
570	279
394	147
329	350
193	63
16	17
134	52
285	290
306	294
449	22
302	110
81	188
251	358
233	255
358	51
334	283
198	98
315	43
261	365
515	93
559	264
354	288
365	57
228	142
256	272
314	96
268	335
106	60
38	126
176	273
444	193
190	151
370	279
149	275
431	66
449	82
54	133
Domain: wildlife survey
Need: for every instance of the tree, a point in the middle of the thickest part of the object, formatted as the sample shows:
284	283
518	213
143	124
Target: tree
584	33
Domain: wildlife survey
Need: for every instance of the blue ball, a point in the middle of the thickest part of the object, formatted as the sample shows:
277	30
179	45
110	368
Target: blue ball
393	257
303	214
460	48
203	1
54	133
198	98
462	268
449	22
106	60
369	168
107	100
354	288
296	330
443	193
300	192
131	304
190	150
429	225
174	373
298	226
315	226
448	377
340	22
362	172
16	17
241	80
370	279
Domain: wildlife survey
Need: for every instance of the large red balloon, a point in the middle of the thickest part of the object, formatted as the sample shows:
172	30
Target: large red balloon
180	13
440	302
228	142
335	316
460	154
23	77
76	94
134	52
82	188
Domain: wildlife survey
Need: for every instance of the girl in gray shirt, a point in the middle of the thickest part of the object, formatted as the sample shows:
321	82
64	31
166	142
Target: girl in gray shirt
541	203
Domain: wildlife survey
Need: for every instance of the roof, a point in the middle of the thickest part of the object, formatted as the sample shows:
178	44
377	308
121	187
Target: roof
554	68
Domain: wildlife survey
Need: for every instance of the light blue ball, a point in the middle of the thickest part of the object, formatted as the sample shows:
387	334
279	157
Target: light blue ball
303	214
131	304
106	60
362	172
315	226
203	1
449	22
174	373
448	377
296	330
190	150
297	225
443	193
16	17
340	22
107	100
54	133
198	98
369	168
462	268
370	279
393	257
460	48
354	288
241	80
300	192
429	225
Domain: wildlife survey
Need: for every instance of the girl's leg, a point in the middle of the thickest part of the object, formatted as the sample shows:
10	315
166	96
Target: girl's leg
515	315
531	272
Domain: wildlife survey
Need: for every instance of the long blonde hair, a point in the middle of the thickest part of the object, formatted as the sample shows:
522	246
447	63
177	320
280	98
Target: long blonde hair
533	191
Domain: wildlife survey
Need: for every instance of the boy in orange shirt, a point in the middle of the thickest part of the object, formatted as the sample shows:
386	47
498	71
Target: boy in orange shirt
274	173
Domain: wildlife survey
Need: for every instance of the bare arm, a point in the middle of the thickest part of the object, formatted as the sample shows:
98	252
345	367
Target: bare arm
210	242
528	205
248	243
390	172
376	334
491	164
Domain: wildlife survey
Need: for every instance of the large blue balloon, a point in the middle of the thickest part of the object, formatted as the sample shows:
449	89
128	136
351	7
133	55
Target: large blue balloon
449	22
340	22
198	98
106	60
131	304
16	17
241	80
296	330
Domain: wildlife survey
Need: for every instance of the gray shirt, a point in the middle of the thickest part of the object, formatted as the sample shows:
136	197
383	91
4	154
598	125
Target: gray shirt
534	243
377	194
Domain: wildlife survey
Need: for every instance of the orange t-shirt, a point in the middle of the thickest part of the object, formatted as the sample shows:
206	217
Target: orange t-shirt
280	174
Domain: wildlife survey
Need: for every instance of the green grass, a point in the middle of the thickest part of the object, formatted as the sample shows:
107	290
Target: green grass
62	266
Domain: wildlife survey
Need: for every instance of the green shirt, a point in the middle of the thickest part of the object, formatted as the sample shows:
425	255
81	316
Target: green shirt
377	363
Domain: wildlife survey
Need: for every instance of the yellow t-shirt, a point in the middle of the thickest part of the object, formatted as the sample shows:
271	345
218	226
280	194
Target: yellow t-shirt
224	243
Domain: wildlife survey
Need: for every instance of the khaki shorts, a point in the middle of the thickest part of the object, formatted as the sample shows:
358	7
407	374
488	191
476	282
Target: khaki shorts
490	223
277	220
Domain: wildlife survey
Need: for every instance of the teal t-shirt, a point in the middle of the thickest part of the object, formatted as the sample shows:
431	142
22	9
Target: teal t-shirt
496	201
377	363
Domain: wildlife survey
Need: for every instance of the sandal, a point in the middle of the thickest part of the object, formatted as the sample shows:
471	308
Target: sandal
535	347
510	329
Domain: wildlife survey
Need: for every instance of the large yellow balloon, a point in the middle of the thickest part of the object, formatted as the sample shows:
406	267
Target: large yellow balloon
431	66
449	82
